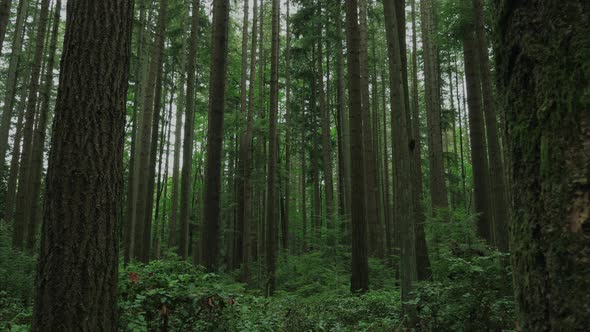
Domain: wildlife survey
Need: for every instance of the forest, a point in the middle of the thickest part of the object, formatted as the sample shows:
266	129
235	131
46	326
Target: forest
294	165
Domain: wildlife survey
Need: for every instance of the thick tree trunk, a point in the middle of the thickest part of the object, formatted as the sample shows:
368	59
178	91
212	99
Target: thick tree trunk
360	263
210	238
545	97
477	132
76	287
189	124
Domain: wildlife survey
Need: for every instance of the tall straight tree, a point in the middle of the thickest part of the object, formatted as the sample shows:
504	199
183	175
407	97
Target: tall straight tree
326	144
24	200
36	169
498	185
438	190
246	154
272	215
217	85
288	134
375	228
142	165
239	230
481	178
76	286
189	124
545	98
360	262
402	159
422	260
12	79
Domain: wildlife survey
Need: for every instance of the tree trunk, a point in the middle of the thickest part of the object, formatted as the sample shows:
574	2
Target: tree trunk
272	217
422	260
24	198
375	228
217	84
402	149
11	80
360	264
76	287
477	132
438	190
286	215
498	185
189	124
4	18
545	97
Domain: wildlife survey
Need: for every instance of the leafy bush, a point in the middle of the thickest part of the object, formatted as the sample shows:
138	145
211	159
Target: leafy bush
17	269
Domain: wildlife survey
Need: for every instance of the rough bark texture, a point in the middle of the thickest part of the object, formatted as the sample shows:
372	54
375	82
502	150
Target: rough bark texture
498	185
210	238
438	190
76	287
360	263
481	178
543	54
189	125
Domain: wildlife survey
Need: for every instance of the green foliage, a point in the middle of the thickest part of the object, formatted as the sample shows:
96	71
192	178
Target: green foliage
17	269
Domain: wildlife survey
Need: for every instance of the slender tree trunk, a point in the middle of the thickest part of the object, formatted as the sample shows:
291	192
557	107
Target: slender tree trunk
36	170
272	218
498	185
303	157
326	146
286	215
462	154
243	152
438	190
217	84
402	149
375	228
545	98
360	264
246	155
24	198
477	132
11	80
422	259
389	231
189	124
76	288
4	18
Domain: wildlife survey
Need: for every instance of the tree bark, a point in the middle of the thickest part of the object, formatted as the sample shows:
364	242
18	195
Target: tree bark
545	98
76	287
189	124
217	86
433	109
24	198
402	149
360	264
272	216
498	185
477	132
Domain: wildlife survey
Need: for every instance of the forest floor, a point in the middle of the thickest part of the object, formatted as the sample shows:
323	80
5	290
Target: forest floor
466	294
